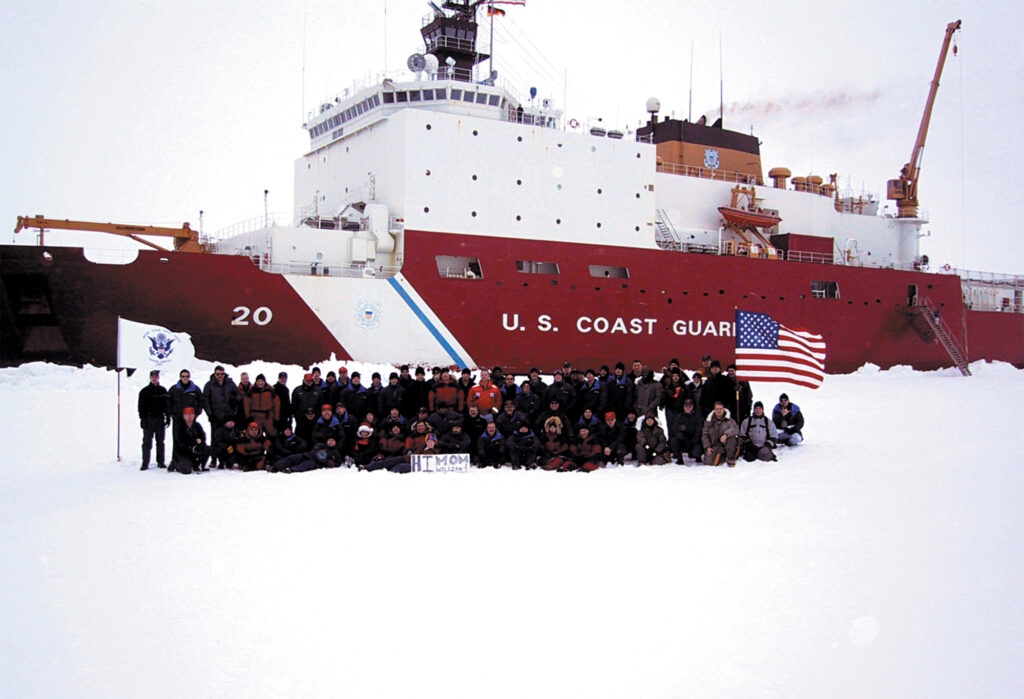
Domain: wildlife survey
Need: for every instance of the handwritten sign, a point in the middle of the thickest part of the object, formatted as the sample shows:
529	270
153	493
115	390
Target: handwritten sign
440	463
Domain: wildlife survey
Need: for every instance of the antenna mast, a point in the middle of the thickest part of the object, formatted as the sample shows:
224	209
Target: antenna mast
721	88
689	114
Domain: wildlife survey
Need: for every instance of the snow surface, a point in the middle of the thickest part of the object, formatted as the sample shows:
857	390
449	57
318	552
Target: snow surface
883	557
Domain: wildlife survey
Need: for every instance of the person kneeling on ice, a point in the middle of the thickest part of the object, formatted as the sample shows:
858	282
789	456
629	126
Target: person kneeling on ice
555	454
190	449
523	447
223	447
758	436
789	421
490	447
586	450
366	446
720	437
251	448
651	444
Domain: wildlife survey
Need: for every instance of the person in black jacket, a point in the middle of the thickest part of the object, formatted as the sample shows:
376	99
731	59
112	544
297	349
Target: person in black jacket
287	443
190	449
154	416
285	398
185	393
685	438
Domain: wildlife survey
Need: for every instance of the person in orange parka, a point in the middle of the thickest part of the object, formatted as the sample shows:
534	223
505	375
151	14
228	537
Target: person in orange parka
485	395
251	448
263	406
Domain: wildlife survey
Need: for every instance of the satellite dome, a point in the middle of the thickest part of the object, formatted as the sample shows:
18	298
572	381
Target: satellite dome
653	105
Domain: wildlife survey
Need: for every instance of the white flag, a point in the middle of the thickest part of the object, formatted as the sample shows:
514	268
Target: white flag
141	346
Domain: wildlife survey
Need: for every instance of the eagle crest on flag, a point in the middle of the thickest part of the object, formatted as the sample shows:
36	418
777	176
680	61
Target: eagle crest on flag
161	346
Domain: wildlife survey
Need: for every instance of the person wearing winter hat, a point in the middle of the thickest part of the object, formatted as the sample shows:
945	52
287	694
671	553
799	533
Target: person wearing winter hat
365	447
651	443
758	436
190	448
263	406
720	437
789	420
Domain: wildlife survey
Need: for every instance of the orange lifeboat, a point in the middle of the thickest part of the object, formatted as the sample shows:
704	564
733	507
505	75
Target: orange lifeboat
745	218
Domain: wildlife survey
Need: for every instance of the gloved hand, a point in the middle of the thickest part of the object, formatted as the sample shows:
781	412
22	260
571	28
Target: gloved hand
167	420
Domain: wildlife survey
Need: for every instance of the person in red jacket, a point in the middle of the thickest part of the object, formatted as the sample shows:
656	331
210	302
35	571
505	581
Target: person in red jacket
444	393
485	395
263	406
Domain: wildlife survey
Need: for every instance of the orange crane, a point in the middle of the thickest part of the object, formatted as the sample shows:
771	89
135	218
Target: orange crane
903	190
185	239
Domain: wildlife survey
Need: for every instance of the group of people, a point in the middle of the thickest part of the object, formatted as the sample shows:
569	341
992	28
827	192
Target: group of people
582	420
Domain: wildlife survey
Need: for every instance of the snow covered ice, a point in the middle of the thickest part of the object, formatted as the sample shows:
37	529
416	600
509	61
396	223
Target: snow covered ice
883	557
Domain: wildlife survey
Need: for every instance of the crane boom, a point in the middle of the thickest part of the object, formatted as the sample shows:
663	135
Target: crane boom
903	190
185	239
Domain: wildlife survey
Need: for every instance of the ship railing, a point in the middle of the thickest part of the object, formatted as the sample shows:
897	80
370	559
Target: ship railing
708	173
251	225
319	269
992	278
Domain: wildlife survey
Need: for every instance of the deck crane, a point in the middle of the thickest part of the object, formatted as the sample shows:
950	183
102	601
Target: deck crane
903	190
185	239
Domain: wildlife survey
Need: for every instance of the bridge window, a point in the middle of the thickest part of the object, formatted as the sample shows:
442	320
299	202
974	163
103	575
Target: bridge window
825	290
454	267
609	272
532	267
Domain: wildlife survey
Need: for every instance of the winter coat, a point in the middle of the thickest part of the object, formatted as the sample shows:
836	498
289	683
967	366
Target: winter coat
454	443
286	446
528	404
621	395
509	422
221	399
648	394
390	396
186	441
304	397
462	386
262	407
689	427
474	427
490	450
364	449
325	456
555	451
441	424
674	395
224	440
587	453
392	446
715	428
487	399
181	397
759	430
251	452
523	449
718	388
563	417
284	400
746	401
592	396
565	394
415	396
790	424
651	440
357	401
326	429
153	402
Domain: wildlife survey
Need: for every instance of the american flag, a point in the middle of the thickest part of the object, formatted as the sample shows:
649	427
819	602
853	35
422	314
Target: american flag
769	351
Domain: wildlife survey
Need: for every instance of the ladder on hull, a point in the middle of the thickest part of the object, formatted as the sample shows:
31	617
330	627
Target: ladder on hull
926	321
666	236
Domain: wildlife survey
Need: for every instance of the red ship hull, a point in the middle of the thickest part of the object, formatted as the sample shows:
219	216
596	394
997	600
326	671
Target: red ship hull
65	308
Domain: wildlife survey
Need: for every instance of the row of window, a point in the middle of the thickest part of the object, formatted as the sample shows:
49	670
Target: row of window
405	97
469	268
454	266
352	112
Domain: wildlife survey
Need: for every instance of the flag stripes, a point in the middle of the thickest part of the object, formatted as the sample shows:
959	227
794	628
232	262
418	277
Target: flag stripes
769	351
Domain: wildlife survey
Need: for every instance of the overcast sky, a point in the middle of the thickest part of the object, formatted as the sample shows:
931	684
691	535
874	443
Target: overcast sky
148	112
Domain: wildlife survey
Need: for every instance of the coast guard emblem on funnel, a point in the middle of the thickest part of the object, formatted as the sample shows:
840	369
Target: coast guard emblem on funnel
368	315
161	346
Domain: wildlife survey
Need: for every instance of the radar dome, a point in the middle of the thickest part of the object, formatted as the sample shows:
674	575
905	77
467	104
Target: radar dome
653	105
432	63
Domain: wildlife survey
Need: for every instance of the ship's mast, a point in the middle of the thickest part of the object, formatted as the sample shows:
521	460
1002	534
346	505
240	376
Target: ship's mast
453	36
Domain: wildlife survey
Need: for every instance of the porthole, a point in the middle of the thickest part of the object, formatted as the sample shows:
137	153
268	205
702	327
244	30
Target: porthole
599	190
428	127
598	224
638	156
558	221
474	178
474	214
426	209
519	138
722	291
475	133
519	182
428	173
518	217
638	195
558	187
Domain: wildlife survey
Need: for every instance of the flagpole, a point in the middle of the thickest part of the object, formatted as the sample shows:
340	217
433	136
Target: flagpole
490	59
118	370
